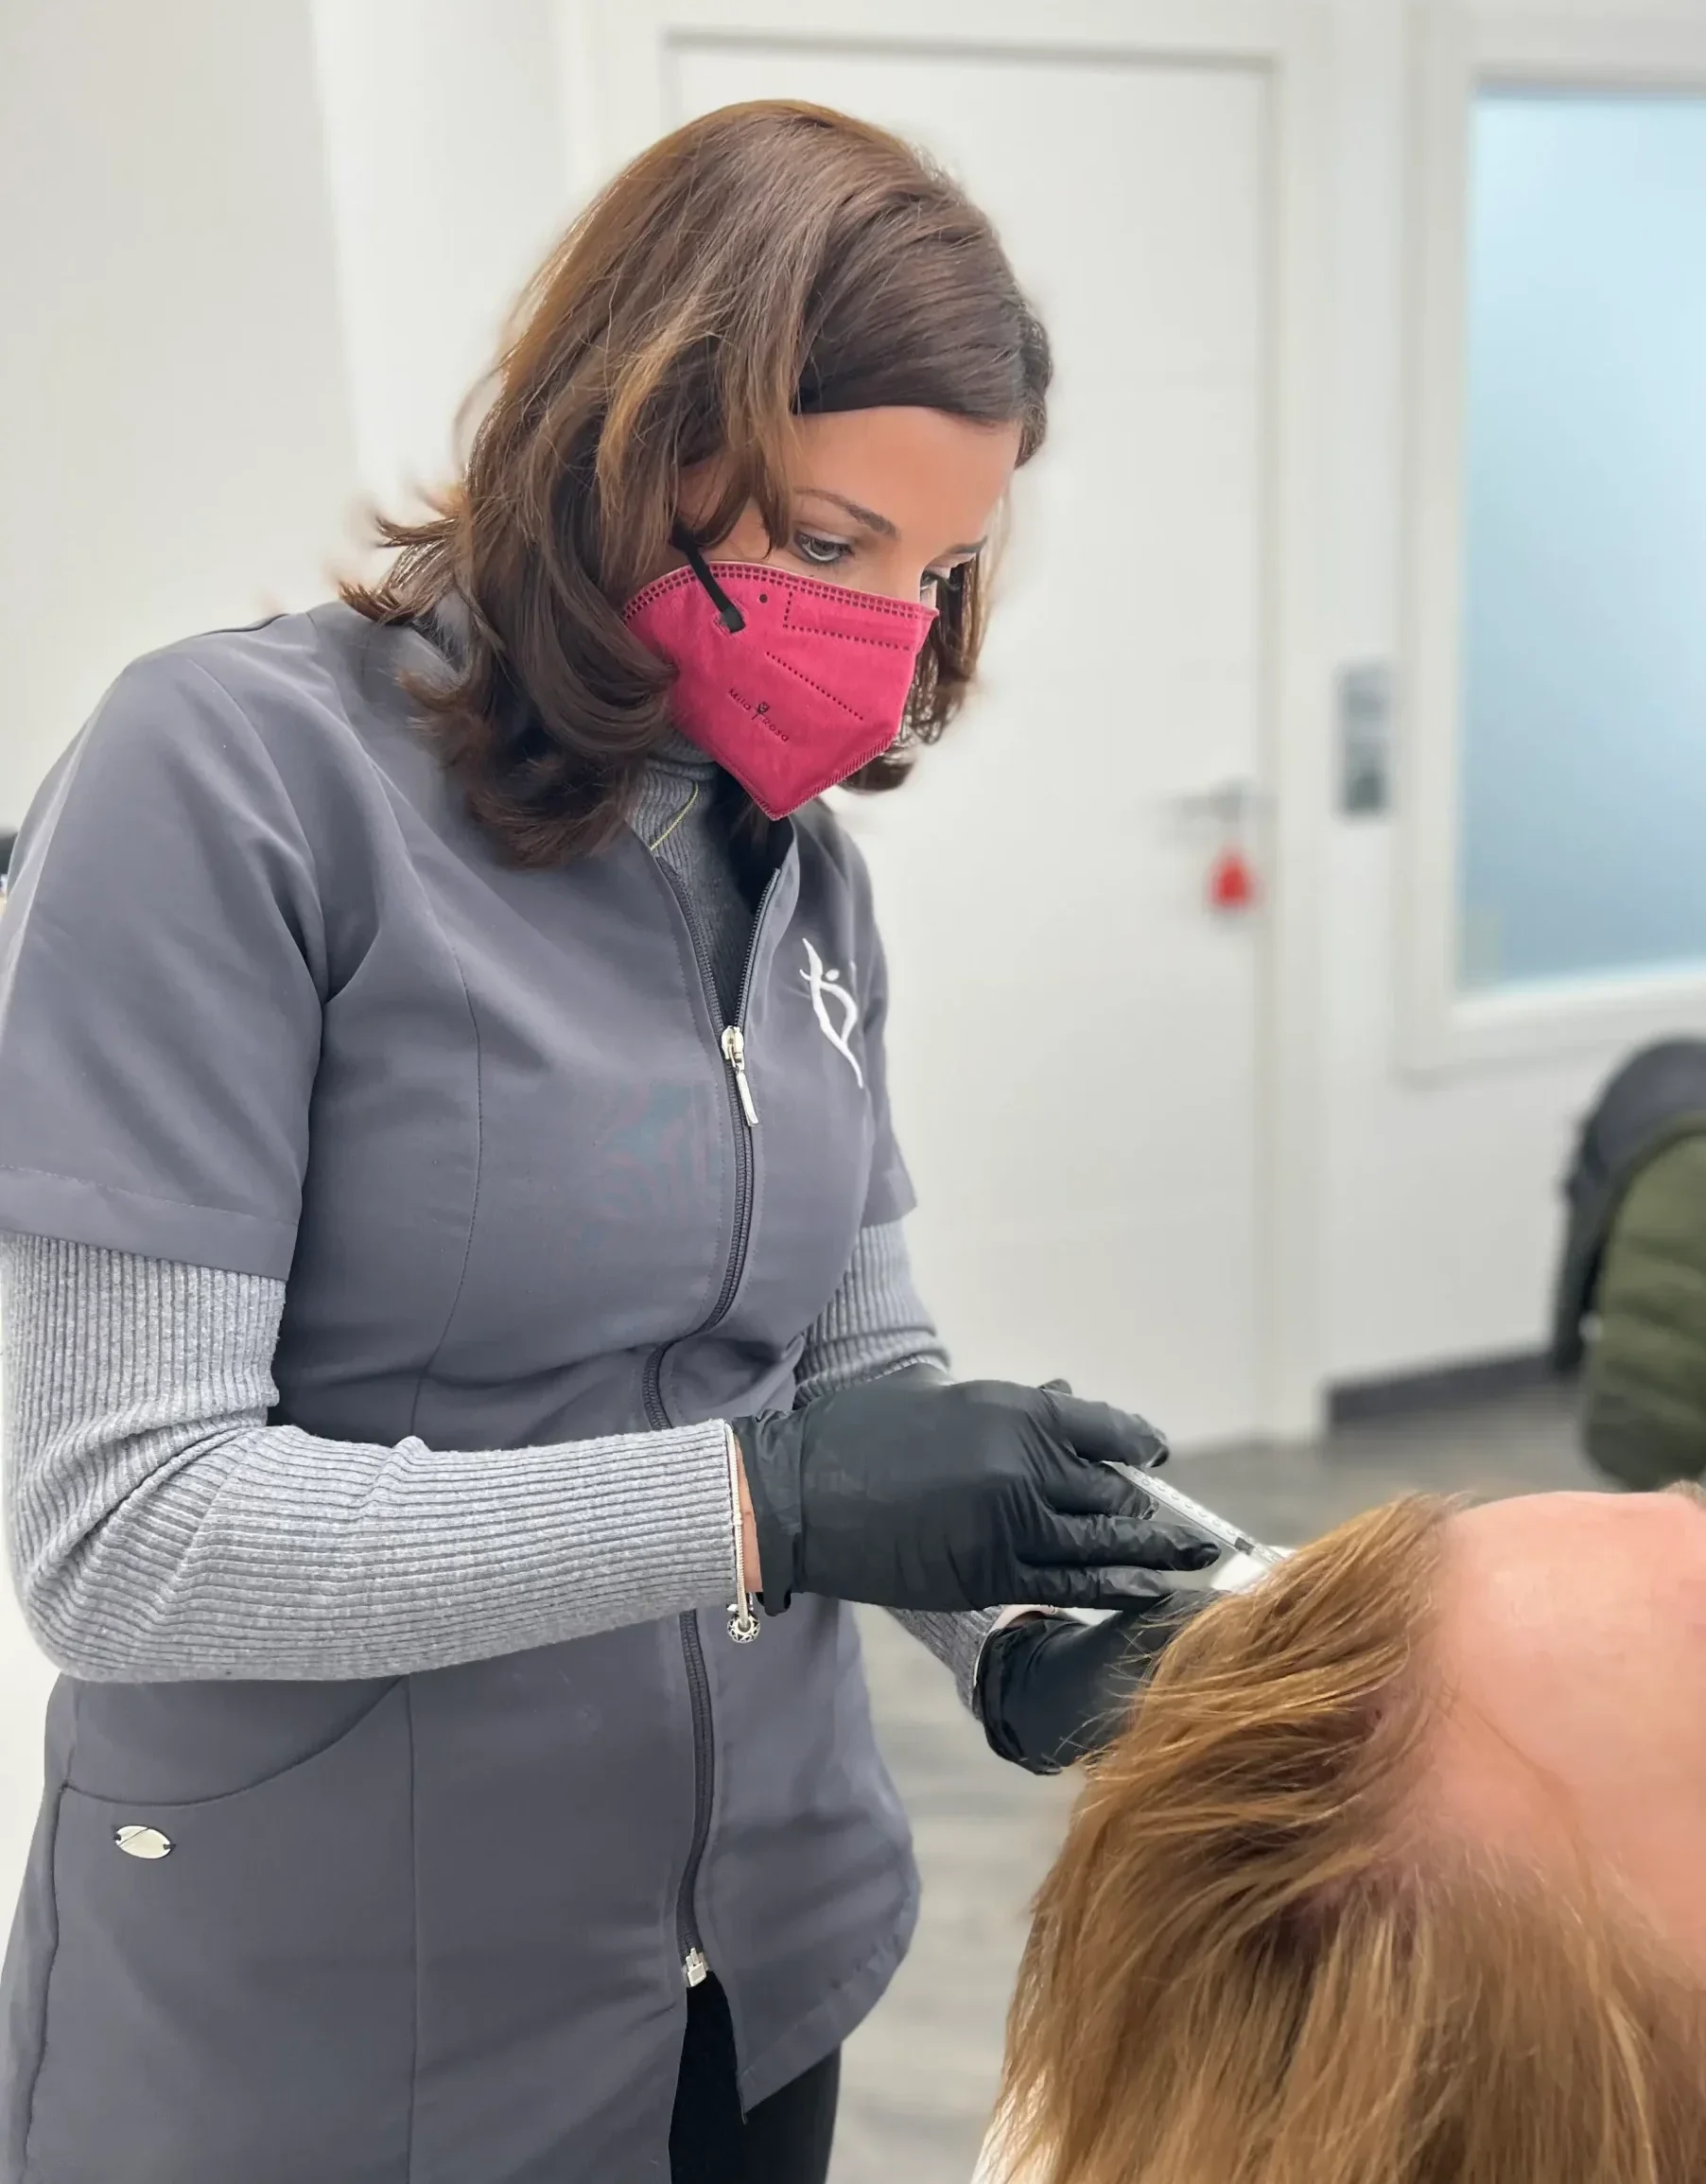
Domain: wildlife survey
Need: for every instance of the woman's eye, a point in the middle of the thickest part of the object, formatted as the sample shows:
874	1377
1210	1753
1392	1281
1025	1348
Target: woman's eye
821	552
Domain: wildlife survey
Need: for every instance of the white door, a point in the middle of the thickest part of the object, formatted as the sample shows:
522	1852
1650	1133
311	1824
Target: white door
1074	1043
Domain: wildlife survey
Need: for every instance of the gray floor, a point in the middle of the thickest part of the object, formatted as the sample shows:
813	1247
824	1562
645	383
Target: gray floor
921	2074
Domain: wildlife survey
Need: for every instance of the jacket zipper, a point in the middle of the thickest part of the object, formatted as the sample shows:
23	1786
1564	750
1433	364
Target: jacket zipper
695	1966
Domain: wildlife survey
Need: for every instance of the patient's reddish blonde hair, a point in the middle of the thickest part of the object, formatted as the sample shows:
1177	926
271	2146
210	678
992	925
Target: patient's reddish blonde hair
1248	1967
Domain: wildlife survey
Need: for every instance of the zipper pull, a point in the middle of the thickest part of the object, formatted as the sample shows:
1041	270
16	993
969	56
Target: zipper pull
694	1969
734	1052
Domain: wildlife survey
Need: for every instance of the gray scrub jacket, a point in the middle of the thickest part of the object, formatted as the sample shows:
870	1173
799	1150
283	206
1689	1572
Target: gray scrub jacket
270	1002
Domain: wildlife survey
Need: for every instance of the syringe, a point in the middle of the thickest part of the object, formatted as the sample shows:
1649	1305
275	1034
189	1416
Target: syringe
1243	1559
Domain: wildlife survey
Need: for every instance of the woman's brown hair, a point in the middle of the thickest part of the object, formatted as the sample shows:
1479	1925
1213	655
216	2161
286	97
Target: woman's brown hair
1249	1966
769	261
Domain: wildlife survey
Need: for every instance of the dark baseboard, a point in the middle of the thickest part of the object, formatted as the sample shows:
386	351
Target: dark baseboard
1440	1388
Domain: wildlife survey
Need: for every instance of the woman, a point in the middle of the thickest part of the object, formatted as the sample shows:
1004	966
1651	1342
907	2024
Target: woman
455	1265
1394	1877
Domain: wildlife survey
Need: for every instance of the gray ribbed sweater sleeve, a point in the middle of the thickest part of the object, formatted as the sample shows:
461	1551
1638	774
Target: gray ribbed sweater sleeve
875	1323
159	1529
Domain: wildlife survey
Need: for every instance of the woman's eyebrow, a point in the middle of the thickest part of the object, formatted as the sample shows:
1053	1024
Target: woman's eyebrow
873	521
868	516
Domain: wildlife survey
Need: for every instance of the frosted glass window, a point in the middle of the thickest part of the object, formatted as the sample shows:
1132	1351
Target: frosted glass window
1583	823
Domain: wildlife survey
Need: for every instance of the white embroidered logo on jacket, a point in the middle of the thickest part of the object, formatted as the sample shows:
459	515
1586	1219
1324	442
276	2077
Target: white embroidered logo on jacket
828	994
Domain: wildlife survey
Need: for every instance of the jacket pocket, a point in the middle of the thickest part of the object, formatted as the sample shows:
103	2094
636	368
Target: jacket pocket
232	1991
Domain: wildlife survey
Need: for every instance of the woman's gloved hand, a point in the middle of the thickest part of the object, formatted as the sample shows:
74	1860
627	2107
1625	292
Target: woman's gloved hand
1052	1690
913	1493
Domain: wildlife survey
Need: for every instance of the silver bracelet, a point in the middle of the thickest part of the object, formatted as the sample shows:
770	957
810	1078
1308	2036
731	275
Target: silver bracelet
743	1623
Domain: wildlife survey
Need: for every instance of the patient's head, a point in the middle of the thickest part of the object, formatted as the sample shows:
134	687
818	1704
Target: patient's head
1397	1873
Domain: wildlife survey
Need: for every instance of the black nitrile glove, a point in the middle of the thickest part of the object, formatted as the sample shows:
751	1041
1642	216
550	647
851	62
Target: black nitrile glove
916	1493
1052	1690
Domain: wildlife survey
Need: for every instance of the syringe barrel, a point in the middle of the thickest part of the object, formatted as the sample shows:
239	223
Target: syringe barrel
1171	1501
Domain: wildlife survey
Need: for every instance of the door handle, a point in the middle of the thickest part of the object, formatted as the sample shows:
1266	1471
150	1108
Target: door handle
1234	802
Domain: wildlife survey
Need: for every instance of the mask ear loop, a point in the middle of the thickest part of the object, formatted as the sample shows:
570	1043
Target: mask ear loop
727	612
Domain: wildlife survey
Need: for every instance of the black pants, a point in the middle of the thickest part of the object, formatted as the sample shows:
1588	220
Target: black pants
783	2140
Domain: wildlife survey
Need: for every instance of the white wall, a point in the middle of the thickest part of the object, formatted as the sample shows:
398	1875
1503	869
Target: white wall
451	180
177	448
1442	1216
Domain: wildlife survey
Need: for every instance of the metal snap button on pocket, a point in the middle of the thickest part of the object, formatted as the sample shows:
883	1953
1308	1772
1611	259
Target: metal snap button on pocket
137	1842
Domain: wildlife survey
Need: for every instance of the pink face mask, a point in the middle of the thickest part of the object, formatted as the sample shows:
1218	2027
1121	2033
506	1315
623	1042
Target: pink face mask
790	684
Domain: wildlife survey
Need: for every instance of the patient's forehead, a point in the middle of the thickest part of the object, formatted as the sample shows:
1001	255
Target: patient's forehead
1571	1645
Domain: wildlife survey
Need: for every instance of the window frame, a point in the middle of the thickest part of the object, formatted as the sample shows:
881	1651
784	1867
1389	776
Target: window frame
1460	50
